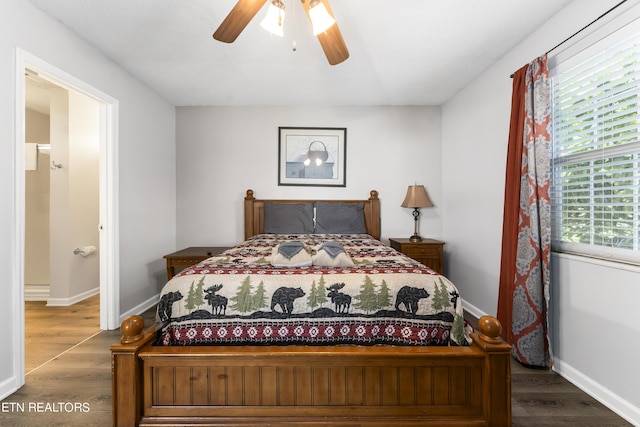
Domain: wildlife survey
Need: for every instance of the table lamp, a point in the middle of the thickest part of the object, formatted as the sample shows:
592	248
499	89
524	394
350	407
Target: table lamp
416	198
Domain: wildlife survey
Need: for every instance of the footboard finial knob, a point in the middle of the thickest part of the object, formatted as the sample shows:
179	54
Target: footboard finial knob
131	329
490	329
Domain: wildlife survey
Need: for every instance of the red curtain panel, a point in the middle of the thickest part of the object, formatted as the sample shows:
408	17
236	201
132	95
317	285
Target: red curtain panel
526	244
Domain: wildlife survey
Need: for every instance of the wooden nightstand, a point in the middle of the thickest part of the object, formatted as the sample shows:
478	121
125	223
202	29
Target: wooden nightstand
190	256
428	252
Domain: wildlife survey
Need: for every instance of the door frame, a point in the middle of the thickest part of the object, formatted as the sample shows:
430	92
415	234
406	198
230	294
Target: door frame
108	222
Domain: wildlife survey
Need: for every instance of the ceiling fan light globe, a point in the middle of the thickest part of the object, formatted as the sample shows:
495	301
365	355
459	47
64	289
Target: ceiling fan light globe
274	20
321	20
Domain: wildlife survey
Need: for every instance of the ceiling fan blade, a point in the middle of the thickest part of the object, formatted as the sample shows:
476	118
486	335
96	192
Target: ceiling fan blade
241	14
333	45
331	40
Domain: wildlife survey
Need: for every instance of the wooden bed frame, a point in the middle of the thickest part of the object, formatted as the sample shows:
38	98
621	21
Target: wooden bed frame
383	386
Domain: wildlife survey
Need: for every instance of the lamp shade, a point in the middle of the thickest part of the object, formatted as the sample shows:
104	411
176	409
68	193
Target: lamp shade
320	17
274	20
416	197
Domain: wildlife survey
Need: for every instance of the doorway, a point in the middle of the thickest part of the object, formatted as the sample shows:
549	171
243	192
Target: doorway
108	196
62	131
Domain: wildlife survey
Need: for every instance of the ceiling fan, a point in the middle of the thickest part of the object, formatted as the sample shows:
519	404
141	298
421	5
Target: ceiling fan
329	34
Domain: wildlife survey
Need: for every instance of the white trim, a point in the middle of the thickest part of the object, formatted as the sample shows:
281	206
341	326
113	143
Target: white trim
611	35
36	292
109	238
9	386
634	268
65	302
596	390
109	225
472	309
17	263
620	23
141	308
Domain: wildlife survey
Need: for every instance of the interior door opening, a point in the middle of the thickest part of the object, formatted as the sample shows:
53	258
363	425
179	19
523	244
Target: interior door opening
107	195
62	156
62	141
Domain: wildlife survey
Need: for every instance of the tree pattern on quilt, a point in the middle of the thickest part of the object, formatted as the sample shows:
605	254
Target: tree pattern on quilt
251	298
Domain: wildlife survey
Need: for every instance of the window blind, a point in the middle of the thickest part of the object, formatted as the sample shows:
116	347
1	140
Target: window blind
595	191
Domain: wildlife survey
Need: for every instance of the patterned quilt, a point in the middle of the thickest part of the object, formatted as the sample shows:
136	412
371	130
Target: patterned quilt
377	296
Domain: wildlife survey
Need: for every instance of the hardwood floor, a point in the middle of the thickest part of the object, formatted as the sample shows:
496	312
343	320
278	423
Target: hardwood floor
542	398
58	328
74	388
67	368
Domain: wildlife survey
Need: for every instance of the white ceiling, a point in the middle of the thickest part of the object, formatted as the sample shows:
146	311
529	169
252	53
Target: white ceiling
403	52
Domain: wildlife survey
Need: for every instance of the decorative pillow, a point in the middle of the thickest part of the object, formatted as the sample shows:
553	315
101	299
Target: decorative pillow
331	254
340	218
288	218
290	254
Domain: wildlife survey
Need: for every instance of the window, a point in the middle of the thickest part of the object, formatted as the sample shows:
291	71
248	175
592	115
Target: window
595	191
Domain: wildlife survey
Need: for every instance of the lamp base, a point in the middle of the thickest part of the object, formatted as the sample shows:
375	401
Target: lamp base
416	237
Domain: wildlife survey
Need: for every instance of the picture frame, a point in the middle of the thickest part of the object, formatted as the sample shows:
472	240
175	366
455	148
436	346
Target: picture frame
312	156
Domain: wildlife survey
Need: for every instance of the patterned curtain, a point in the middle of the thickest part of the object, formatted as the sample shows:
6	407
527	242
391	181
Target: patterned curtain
526	236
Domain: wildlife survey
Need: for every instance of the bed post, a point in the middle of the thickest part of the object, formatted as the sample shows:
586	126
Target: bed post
497	372
126	371
374	215
248	214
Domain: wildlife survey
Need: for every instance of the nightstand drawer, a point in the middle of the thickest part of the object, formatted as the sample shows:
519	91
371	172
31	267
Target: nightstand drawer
187	262
421	251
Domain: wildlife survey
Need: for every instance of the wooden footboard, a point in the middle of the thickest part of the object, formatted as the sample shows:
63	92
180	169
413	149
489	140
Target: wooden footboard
312	386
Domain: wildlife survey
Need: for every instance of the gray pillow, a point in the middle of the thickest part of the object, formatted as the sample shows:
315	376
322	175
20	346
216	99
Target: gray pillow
340	218
288	218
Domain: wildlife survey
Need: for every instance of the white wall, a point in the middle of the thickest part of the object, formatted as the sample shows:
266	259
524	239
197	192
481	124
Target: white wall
594	335
68	208
37	209
146	160
60	275
223	151
84	188
74	200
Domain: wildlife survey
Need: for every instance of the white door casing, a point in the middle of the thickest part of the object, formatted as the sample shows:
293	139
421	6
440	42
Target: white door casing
109	235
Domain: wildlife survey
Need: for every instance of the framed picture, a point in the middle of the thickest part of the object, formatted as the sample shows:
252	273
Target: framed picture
312	156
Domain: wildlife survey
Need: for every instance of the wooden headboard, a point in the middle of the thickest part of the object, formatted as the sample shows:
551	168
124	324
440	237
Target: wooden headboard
254	213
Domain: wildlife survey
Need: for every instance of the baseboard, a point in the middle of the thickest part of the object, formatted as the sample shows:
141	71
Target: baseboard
602	394
8	387
36	292
472	309
140	308
65	302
